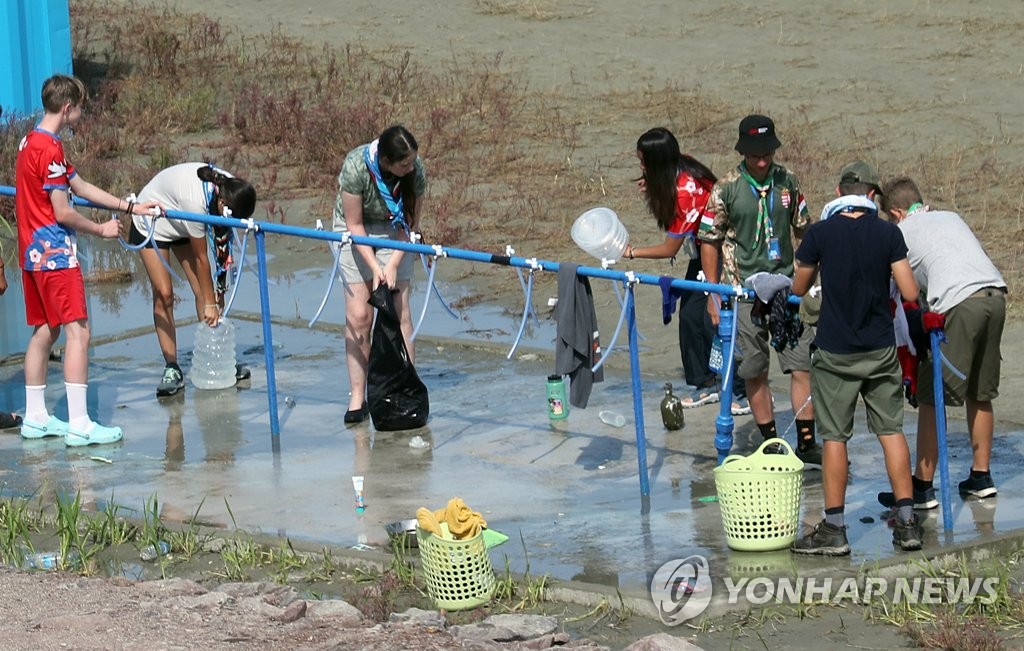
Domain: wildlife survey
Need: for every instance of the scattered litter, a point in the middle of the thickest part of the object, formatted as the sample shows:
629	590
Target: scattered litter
708	498
289	401
418	443
612	418
867	519
103	459
601	467
362	547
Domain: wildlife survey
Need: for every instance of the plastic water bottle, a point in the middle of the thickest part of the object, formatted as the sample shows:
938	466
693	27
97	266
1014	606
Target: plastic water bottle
613	418
43	560
151	552
49	560
671	410
558	398
213	357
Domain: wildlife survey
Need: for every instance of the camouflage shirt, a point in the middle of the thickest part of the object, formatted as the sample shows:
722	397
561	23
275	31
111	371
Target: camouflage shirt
731	217
355	178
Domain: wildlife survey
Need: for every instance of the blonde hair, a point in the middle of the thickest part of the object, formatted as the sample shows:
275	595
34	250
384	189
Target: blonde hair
59	90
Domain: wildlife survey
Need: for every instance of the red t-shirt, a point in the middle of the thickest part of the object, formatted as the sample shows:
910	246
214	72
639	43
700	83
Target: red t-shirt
691	197
43	244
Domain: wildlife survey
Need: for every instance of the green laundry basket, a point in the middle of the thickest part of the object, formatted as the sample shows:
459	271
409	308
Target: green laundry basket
760	498
458	573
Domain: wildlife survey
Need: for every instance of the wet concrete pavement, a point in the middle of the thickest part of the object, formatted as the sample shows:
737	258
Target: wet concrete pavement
566	492
568	489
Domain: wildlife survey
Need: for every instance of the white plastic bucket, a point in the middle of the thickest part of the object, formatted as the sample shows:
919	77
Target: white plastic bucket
600	233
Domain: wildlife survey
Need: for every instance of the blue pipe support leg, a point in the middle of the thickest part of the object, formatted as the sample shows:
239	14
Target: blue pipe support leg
268	336
724	422
638	399
936	337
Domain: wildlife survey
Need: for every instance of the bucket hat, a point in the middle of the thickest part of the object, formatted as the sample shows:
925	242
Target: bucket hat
757	136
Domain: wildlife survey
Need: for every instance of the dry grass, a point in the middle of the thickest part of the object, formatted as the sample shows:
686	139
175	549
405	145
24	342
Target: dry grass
507	164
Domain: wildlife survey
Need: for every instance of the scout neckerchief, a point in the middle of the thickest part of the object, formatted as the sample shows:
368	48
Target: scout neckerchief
765	204
917	207
392	198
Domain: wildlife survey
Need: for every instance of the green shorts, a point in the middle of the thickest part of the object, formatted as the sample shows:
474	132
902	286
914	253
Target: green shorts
974	330
754	350
837	380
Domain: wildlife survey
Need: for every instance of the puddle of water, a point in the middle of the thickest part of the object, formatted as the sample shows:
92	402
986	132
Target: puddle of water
566	492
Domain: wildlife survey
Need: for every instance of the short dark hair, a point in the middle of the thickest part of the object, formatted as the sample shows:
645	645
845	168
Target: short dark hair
857	188
900	193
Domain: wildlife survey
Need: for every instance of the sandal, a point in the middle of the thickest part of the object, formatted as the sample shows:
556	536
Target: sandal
9	421
700	396
740	407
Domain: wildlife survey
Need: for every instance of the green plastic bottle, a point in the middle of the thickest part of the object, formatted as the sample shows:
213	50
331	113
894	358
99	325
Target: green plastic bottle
558	398
671	410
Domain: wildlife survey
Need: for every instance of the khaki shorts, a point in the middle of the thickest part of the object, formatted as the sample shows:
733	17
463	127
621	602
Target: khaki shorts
974	330
754	348
354	268
837	380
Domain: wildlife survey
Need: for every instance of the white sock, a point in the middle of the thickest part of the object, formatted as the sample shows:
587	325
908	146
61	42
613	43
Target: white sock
78	410
35	404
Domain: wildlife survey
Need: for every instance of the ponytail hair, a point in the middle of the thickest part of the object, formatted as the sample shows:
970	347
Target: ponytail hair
237	194
394	144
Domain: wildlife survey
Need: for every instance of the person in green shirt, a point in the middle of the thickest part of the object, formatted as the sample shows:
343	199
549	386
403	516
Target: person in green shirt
380	194
754	218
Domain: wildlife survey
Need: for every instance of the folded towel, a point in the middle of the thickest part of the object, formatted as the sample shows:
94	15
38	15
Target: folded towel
462	521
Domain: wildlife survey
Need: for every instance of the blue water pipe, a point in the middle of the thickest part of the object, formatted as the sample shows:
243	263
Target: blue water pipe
723	436
268	337
724	423
936	337
638	398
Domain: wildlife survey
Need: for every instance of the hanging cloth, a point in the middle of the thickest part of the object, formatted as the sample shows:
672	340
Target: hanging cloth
392	196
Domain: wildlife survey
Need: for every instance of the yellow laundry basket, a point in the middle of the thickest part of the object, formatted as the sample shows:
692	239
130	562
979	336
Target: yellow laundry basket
458	573
760	498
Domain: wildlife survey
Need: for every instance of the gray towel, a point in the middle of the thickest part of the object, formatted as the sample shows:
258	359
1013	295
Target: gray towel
577	345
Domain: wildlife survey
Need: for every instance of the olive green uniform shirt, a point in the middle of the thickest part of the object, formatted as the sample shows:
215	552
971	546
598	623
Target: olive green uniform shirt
731	217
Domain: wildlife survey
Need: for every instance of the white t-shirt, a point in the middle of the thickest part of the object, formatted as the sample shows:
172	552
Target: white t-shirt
177	188
948	261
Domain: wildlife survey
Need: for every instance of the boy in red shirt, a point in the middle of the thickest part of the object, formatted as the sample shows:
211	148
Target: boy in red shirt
52	278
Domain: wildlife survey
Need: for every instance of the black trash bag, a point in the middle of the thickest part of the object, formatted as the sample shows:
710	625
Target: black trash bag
396	397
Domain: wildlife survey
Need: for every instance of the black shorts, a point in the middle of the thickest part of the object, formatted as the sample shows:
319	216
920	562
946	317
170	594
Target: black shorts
136	238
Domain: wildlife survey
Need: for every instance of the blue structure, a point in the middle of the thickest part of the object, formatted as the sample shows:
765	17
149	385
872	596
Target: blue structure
724	424
35	43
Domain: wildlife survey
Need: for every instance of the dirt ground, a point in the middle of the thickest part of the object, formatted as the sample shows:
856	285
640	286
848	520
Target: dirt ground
900	78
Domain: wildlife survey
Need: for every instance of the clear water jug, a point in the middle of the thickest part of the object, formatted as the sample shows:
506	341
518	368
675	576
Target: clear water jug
600	233
213	357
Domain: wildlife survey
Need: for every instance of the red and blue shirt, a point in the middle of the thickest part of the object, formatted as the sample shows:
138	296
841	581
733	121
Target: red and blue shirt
41	168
